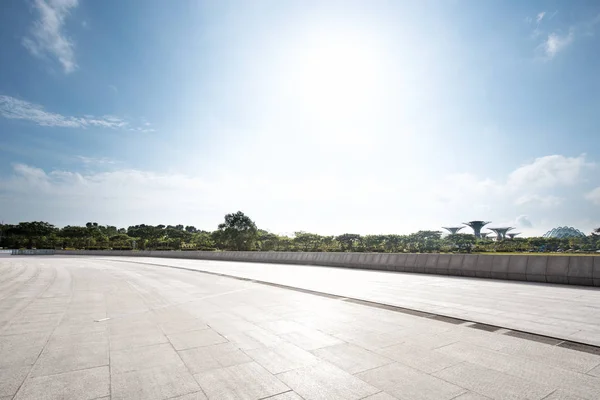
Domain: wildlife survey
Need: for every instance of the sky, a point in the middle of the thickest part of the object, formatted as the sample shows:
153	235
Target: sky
321	116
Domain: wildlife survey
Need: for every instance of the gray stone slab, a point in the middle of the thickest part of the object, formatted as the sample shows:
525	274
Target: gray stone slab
399	262
410	264
65	359
183	326
191	396
310	339
153	383
420	263
500	267
253	339
419	358
405	382
286	396
86	384
469	265
11	379
200	359
596	272
483	268
443	264
557	269
138	358
580	270
121	342
247	381
324	381
517	268
283	357
190	339
431	263
351	358
471	396
493	384
536	268
380	396
456	265
19	357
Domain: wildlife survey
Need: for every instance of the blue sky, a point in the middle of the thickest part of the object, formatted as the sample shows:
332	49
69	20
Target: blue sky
322	116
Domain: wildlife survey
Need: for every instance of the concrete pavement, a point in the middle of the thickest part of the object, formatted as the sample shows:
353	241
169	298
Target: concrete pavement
566	312
85	328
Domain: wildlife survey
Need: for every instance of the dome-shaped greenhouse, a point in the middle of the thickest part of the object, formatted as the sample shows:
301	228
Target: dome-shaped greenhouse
563	232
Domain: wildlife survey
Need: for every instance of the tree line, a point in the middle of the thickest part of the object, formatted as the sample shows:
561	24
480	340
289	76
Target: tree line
239	232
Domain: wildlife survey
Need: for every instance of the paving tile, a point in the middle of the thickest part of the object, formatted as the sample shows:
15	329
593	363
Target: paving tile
492	383
151	337
595	371
472	396
64	359
191	339
419	358
183	326
153	383
11	379
380	396
582	385
351	358
310	339
553	355
407	383
200	359
562	395
137	358
99	337
192	396
286	396
371	340
247	381
325	381
10	343
85	384
280	327
282	357
253	339
19	356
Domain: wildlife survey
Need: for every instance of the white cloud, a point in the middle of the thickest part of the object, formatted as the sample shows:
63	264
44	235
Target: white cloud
47	36
546	201
96	160
13	108
556	43
594	196
540	17
523	221
548	172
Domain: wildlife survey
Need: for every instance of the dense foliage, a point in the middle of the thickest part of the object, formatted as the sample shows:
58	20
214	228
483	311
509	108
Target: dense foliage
239	232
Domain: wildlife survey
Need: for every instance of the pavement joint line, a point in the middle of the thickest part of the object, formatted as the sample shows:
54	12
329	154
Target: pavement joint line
273	395
571	345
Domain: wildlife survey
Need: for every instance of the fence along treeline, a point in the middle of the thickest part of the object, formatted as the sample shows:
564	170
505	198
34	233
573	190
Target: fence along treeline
239	232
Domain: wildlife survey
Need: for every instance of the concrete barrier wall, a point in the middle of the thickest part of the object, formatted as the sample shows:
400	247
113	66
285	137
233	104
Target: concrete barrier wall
573	270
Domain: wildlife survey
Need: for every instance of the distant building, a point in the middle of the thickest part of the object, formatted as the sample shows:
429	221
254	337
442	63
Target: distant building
476	226
513	234
564	232
501	232
453	229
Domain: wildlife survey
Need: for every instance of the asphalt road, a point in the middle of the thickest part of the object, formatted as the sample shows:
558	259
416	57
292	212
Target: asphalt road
89	328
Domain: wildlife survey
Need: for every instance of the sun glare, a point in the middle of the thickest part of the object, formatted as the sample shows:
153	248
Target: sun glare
334	74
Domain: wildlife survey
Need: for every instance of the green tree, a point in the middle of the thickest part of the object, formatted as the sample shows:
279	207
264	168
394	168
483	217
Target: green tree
461	242
348	241
238	232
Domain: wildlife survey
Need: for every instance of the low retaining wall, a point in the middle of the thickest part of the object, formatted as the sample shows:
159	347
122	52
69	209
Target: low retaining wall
573	270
